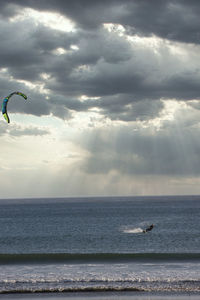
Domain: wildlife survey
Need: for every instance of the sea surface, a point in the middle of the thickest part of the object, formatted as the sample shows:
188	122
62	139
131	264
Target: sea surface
97	244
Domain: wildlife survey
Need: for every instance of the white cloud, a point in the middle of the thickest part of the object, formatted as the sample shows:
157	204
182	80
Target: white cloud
49	19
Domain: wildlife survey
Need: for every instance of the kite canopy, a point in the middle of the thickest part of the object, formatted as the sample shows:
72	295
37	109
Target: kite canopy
5	102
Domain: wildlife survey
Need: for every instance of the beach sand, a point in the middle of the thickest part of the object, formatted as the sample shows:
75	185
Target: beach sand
101	296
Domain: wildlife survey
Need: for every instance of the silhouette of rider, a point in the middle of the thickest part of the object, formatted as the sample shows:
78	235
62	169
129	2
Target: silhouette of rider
149	228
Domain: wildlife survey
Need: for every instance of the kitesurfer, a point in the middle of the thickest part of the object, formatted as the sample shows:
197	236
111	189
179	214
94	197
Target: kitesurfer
148	228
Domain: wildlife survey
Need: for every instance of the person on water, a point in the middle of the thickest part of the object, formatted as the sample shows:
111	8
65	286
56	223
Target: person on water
149	228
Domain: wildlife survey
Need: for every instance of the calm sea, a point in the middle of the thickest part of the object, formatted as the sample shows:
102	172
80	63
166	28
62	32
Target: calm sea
97	244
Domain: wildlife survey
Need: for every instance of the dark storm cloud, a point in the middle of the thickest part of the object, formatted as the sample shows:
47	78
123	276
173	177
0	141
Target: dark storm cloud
171	19
29	54
25	57
129	80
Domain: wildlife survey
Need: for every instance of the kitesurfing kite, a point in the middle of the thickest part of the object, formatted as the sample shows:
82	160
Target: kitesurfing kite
5	102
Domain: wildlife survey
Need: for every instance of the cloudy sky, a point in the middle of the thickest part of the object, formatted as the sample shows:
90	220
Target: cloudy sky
113	97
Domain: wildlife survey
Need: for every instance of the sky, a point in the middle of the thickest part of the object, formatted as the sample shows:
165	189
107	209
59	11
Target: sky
113	98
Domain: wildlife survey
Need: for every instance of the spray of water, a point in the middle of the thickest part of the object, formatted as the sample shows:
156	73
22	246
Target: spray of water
128	229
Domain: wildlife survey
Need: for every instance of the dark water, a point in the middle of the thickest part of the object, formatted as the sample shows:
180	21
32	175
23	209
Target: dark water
98	244
103	225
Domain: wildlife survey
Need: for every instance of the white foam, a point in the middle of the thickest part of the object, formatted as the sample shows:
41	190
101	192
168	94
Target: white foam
132	230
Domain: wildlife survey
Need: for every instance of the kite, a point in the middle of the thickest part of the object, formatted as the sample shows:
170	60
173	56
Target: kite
5	102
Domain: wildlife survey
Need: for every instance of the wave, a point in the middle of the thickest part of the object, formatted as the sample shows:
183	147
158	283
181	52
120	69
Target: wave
162	286
37	258
72	289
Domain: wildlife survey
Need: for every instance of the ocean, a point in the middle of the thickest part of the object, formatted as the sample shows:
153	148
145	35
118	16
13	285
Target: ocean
97	244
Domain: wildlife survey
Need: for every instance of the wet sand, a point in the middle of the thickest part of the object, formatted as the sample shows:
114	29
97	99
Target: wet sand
101	296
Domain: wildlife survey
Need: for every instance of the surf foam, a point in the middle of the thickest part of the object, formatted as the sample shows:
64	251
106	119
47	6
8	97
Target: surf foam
132	230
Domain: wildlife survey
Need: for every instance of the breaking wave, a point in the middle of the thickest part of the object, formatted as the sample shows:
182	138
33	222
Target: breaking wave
97	286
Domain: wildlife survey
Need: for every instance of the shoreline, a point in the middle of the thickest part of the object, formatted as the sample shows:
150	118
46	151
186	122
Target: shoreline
103	295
